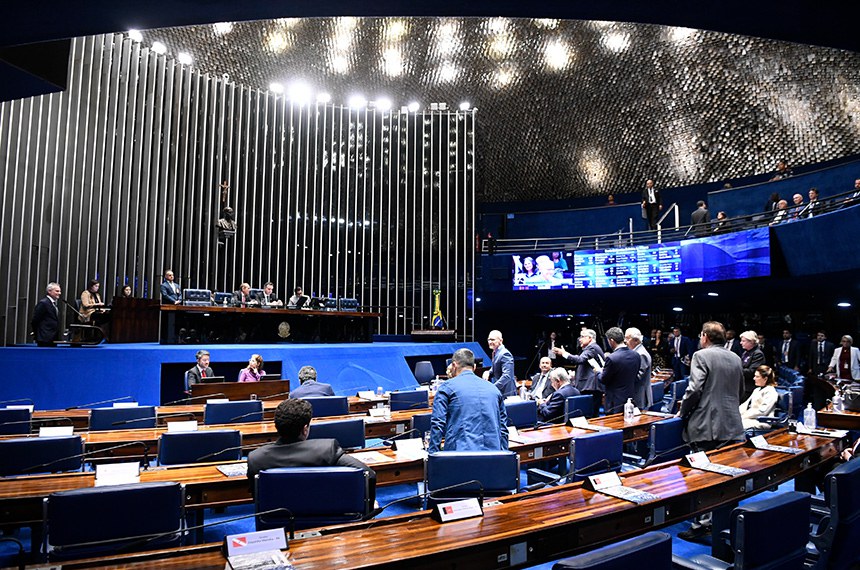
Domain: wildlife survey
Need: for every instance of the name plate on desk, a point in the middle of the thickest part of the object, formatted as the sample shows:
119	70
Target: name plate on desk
376	412
21	407
179	427
582	423
217	400
458	510
602	481
759	442
366	394
117	473
836	433
610	484
125	404
411	448
701	461
251	542
55	431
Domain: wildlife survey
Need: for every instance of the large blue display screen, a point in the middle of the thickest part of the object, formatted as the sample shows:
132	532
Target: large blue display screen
736	255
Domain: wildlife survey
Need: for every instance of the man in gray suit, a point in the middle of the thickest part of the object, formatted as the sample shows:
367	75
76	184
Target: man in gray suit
309	385
502	372
585	379
642	395
710	407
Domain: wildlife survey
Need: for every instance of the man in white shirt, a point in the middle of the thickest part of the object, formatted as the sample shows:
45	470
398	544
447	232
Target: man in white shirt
541	386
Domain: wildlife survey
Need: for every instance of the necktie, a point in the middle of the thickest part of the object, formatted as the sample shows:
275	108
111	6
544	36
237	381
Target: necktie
202	373
820	353
785	351
651	198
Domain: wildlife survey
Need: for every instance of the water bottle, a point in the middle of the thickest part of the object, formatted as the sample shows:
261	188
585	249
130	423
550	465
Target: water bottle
426	440
628	410
809	417
838	402
379	391
524	394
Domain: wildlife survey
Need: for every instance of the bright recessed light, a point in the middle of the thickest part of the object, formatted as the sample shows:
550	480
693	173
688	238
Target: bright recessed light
357	102
276	87
323	98
299	92
159	48
465	105
135	35
383	104
677	309
712	294
222	28
477	299
413	106
843	304
184	58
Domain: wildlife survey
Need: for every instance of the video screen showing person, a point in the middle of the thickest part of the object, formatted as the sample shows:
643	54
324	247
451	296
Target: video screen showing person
541	271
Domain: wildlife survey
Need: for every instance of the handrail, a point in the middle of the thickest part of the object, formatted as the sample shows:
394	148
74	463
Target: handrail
673	208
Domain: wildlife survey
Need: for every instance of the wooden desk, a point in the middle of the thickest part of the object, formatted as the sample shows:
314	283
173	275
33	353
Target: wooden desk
243	390
839	420
542	525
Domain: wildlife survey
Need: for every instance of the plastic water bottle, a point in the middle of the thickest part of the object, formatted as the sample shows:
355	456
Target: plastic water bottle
809	417
524	394
628	410
838	403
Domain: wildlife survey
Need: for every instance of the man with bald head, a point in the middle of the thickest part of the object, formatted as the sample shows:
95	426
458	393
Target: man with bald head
501	374
652	203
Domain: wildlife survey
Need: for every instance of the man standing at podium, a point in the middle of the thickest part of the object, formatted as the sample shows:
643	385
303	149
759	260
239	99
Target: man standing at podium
468	412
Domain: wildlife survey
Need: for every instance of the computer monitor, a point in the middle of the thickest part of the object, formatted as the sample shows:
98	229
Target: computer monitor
302	301
222	298
268	377
212	379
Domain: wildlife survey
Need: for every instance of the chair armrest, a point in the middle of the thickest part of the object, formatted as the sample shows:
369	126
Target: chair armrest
535	475
699	562
632	458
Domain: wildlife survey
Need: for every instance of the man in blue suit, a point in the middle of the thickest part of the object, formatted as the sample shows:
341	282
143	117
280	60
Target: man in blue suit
552	409
620	372
468	412
502	372
681	348
171	294
309	385
585	378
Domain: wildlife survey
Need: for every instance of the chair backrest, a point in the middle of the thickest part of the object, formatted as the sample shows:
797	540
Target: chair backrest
753	526
583	403
837	544
409	400
112	513
522	414
796	401
199	446
424	372
21	456
421	424
240	411
14	421
652	550
595	453
666	441
497	471
315	496
328	405
658	390
138	417
348	433
676	394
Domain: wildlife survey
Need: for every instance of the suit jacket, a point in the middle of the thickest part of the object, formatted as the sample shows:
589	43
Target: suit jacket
503	371
735	347
237	298
469	414
699	220
710	404
657	197
553	409
547	387
855	361
812	361
686	348
793	352
308	453
642	395
88	304
46	321
585	377
261	298
619	377
312	388
170	292
193	376
750	361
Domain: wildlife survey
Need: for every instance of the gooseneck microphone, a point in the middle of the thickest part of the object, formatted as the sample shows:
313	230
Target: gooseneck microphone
191	399
33	468
91	404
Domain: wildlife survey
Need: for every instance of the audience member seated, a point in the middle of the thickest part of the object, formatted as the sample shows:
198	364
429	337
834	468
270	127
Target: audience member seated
199	371
254	371
309	385
552	408
762	401
845	361
268	298
126	292
771	204
541	386
242	297
468	412
721	224
782	172
294	449
297	294
797	209
781	213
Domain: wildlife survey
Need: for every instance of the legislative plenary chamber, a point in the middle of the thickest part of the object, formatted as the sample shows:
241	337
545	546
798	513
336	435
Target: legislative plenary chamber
448	285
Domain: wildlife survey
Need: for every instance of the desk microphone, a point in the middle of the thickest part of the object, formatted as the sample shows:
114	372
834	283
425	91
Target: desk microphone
287	393
97	403
191	415
551	422
18	400
653	460
194	398
562	479
226	449
427	494
389	442
74	309
94	452
255	413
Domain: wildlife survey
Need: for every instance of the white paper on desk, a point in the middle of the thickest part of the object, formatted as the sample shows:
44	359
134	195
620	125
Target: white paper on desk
54	431
217	400
837	433
371	457
376	412
366	394
579	421
117	473
410	449
125	404
179	427
24	407
512	432
513	399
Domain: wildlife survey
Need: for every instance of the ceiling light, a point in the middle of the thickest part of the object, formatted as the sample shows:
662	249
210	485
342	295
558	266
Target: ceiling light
357	102
323	97
383	104
222	28
677	309
299	93
184	58
413	106
159	48
276	87
135	35
713	294
843	304
465	105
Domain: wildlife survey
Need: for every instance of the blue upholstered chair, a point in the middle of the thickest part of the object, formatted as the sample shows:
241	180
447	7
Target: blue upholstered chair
348	433
409	400
836	542
666	441
15	421
584	403
780	416
658	390
421	424
674	395
328	405
796	401
199	446
111	514
652	550
767	534
315	496
241	411
139	417
497	471
424	373
522	414
595	453
22	456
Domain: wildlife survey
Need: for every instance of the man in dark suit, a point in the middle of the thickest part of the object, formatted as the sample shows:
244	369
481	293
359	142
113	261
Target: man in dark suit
294	449
198	371
620	372
309	385
552	409
789	351
268	298
171	293
652	203
585	378
541	386
242	297
732	343
681	348
46	316
502	372
700	219
820	353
